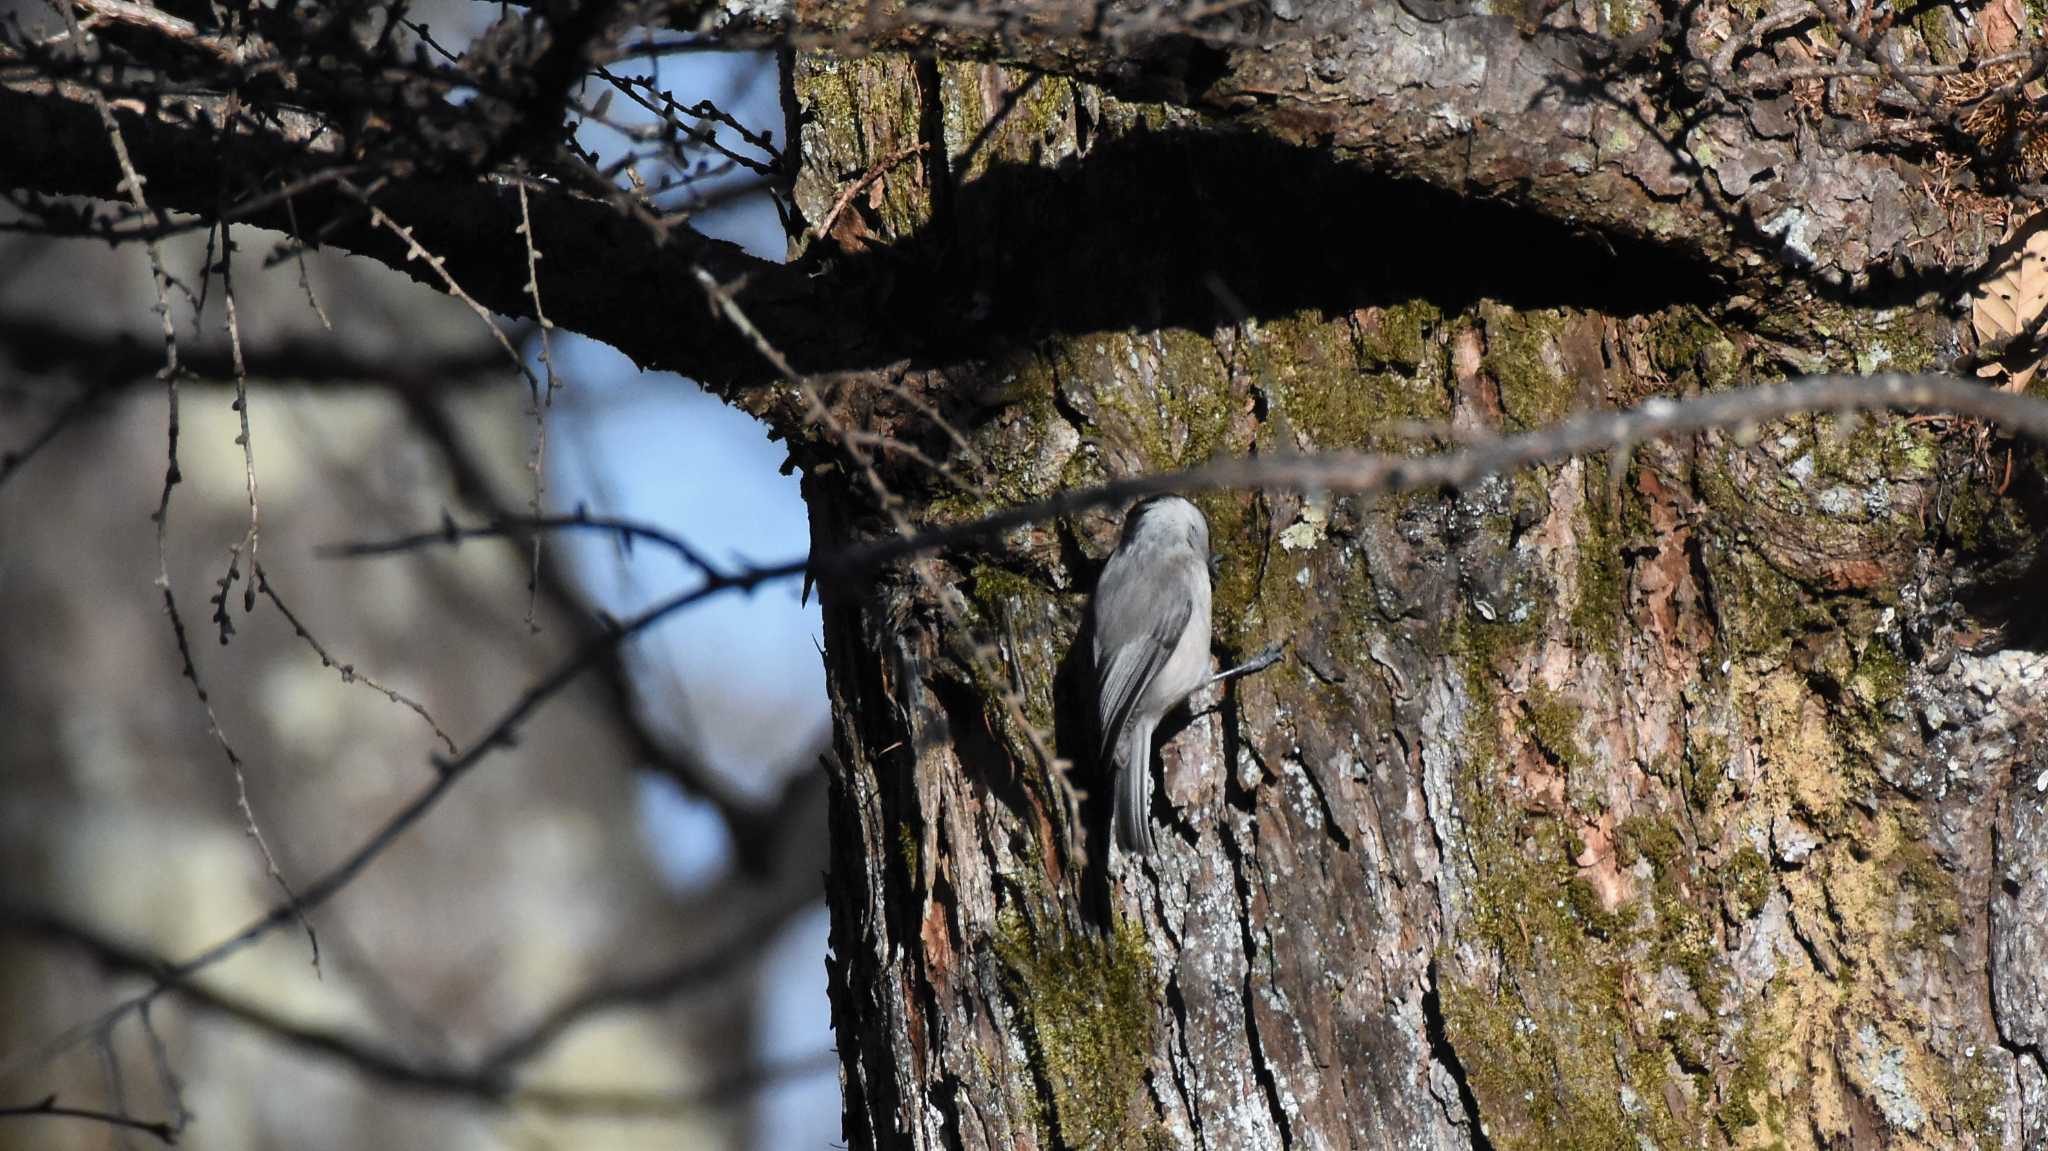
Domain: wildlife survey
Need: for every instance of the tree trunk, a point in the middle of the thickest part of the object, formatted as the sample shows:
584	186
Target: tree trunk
1678	799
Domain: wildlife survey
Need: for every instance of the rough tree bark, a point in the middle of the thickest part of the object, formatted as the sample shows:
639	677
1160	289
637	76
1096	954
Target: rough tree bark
1684	806
1691	797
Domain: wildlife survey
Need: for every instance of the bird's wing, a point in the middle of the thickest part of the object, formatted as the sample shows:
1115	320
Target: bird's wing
1131	659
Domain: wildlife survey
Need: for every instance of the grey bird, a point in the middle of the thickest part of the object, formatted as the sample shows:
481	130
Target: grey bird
1151	645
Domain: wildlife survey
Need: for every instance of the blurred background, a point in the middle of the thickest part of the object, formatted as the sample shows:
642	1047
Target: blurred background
610	934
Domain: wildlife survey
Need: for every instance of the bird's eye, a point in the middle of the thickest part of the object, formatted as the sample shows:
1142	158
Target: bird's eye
1215	564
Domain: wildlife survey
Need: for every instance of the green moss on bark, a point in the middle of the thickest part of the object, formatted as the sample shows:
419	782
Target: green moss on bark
1162	398
1598	612
1399	336
1026	452
1523	357
1688	348
1746	878
1086	1006
1559	1064
1554	723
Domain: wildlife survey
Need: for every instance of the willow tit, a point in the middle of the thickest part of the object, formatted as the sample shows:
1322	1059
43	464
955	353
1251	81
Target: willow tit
1151	645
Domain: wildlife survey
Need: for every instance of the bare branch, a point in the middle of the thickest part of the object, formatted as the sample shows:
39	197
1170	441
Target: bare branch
349	674
1340	77
1383	111
451	534
756	831
448	771
490	1082
542	399
875	171
673	114
162	23
979	654
248	444
132	186
48	1107
464	221
1378	474
655	987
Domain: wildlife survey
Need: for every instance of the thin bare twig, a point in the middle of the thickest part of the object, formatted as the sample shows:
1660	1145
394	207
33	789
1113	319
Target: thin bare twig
451	533
540	393
298	250
875	172
1757	29
751	825
1392	474
132	183
190	670
986	661
414	250
247	442
167	1075
48	1108
543	401
448	771
13	460
260	581
670	112
924	408
488	1083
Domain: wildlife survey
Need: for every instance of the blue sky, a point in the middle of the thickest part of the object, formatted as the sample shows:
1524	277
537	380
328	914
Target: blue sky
740	678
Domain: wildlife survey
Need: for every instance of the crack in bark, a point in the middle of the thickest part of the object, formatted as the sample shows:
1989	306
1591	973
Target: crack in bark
1331	827
1262	1071
946	1098
1440	1049
931	132
1178	1004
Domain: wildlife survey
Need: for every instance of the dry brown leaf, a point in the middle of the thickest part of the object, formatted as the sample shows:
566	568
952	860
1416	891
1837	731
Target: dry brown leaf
1999	25
2009	302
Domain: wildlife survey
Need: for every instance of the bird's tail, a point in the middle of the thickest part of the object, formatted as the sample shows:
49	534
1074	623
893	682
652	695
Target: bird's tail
1134	790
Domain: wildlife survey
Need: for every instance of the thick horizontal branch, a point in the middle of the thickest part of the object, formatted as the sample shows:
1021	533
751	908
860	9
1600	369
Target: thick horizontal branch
100	360
607	276
1561	122
1471	104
